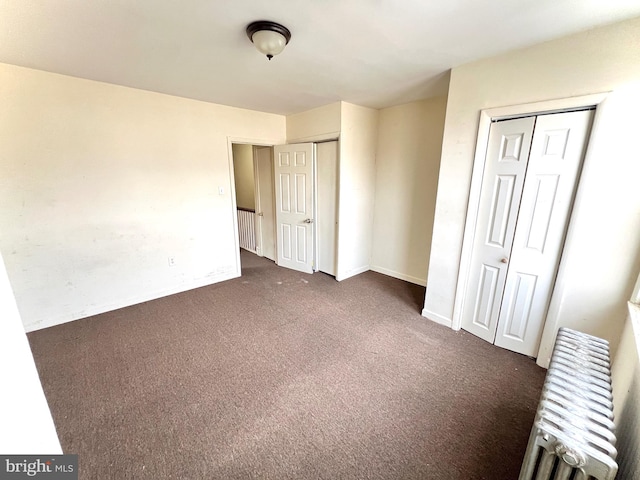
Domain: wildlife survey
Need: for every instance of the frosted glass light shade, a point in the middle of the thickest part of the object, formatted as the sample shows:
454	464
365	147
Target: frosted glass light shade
268	42
269	37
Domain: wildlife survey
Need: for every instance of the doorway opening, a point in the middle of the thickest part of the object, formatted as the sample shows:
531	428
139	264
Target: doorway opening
286	203
498	205
255	200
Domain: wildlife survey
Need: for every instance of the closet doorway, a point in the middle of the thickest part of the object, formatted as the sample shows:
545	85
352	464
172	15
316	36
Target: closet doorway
531	171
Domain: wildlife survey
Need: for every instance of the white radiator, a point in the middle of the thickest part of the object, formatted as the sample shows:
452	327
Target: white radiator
247	229
573	434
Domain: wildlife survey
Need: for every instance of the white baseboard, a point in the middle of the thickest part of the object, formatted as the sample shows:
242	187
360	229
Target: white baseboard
400	276
437	318
352	273
97	310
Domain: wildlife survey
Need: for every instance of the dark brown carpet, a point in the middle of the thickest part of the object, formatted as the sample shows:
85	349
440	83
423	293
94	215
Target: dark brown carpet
284	375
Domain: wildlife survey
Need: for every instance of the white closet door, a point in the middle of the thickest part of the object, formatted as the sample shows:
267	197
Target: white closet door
294	206
557	151
505	169
327	159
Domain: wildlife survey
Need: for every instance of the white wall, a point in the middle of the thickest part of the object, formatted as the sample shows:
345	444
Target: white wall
322	123
27	426
101	184
357	177
243	175
625	373
407	160
602	253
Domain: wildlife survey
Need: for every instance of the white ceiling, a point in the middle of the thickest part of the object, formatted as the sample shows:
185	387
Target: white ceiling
375	53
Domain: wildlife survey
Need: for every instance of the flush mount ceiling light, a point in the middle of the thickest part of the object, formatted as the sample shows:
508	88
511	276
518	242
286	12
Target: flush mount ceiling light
269	38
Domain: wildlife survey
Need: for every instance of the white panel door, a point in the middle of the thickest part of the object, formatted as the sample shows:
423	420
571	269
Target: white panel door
266	215
557	150
505	169
293	168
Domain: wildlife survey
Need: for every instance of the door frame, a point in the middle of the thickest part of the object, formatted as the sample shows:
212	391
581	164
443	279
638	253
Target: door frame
501	113
315	139
232	188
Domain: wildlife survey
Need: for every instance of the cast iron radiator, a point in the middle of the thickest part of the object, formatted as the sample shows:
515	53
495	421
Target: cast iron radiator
573	434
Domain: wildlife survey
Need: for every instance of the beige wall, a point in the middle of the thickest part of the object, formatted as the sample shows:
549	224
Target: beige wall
388	170
601	257
357	177
625	373
243	176
27	426
407	160
103	183
320	123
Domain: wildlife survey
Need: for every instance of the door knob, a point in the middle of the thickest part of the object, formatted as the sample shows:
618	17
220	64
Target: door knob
308	220
261	214
504	260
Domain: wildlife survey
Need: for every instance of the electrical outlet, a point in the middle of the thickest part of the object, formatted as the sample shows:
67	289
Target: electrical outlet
172	261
